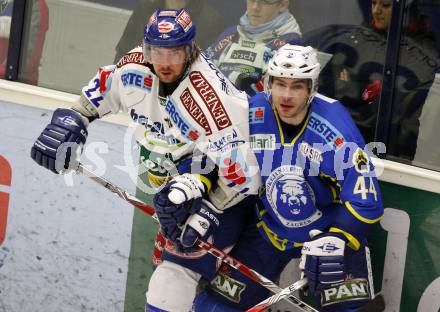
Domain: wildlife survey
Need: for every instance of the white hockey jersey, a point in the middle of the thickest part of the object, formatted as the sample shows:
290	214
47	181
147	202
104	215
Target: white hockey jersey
205	112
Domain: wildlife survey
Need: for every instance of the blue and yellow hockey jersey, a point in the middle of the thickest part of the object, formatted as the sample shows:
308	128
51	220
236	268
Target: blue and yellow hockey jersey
321	179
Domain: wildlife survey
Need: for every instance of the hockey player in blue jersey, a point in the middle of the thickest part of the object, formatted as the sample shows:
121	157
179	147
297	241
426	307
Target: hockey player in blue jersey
320	197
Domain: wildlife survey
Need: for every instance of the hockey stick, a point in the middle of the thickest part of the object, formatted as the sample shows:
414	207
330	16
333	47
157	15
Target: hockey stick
375	305
286	292
219	254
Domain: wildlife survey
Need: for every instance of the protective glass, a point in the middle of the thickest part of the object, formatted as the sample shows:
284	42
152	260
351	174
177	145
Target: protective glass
167	56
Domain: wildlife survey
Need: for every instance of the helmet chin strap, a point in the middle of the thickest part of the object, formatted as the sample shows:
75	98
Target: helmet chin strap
310	98
310	87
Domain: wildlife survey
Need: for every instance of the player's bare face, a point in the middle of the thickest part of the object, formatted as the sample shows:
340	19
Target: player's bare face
289	97
169	63
263	11
381	11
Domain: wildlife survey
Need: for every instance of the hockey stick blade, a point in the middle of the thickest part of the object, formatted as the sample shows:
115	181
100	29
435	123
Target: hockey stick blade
375	305
219	254
286	292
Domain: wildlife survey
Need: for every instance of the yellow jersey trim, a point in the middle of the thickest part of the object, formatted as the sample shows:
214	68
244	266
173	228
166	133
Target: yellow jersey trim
280	130
279	243
353	243
205	181
358	216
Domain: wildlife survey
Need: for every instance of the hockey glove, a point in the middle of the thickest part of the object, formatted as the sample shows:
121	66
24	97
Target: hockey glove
59	145
200	224
175	202
322	260
171	216
185	188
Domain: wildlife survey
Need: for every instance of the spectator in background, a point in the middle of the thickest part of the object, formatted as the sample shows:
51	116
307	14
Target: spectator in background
37	28
209	22
354	74
241	52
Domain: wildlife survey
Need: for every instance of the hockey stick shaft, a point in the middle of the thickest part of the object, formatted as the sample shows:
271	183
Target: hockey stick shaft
219	254
375	305
286	292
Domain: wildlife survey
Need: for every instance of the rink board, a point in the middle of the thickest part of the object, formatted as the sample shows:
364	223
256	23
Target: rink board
66	248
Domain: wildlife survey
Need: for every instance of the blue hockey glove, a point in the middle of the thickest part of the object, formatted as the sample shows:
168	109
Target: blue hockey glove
176	202
171	216
59	145
322	260
200	224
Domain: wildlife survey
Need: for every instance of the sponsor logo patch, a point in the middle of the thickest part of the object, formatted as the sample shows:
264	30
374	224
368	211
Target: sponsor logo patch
184	20
226	142
325	130
262	142
137	79
134	57
248	44
233	172
194	110
227	287
355	289
165	27
243	55
211	99
310	153
156	128
180	122
256	115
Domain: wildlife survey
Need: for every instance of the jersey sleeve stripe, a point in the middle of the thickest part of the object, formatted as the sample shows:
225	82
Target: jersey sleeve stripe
358	216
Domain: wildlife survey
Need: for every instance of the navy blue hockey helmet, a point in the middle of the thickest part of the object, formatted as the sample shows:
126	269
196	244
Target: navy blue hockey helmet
169	28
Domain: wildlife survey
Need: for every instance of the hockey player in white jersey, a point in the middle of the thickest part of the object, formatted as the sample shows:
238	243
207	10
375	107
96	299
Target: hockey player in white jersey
181	105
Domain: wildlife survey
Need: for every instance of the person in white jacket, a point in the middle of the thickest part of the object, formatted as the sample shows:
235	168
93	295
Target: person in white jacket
242	51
